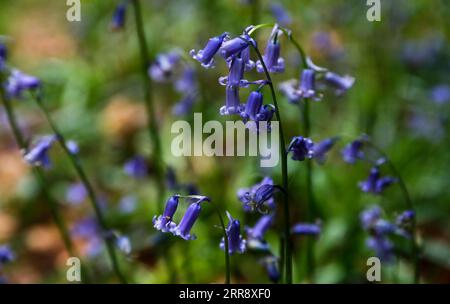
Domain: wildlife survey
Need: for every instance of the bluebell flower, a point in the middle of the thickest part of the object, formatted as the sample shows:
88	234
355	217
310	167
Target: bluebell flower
127	204
123	244
382	246
271	264
187	82
306	229
375	183
232	101
136	167
235	46
118	18
236	73
76	194
206	56
164	222
353	151
6	255
341	83
163	68
321	148
405	217
274	63
19	82
90	231
262	225
280	14
185	105
253	106
258	196
183	229
440	94
236	243
248	63
307	87
301	148
38	154
370	216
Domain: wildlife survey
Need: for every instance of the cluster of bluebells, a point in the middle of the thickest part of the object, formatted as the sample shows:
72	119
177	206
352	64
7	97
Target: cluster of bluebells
380	229
236	53
309	86
258	197
165	223
304	148
375	183
169	68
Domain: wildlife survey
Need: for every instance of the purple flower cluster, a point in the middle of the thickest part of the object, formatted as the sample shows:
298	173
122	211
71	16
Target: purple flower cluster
165	223
375	183
236	52
169	68
304	148
380	230
258	197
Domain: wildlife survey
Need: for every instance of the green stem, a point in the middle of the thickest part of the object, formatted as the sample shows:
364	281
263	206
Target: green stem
284	171
409	205
151	115
225	239
40	177
91	193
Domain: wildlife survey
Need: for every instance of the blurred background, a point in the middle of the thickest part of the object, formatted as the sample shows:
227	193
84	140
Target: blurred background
92	86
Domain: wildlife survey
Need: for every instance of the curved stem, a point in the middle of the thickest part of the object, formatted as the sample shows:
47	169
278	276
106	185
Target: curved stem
90	190
40	177
409	205
226	249
284	170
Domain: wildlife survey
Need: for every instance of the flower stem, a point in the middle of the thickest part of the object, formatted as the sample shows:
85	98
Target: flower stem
40	177
225	240
151	115
409	205
75	161
284	171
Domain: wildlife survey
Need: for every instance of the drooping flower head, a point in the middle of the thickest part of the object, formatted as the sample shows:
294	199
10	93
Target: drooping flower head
206	56
232	101
353	151
271	264
236	243
236	73
235	46
306	229
301	148
253	106
274	63
262	225
375	184
136	167
280	14
183	229
321	148
38	154
163	68
76	193
289	90
308	85
164	222
119	16
341	83
259	196
19	82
